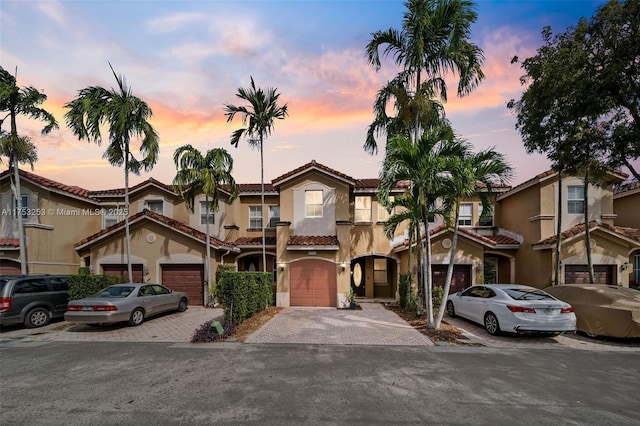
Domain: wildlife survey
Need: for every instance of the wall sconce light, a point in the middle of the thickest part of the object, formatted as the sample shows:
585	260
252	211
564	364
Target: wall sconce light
624	266
281	267
343	266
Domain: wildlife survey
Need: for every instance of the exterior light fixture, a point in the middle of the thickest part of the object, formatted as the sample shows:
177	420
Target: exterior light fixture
343	266
624	266
281	266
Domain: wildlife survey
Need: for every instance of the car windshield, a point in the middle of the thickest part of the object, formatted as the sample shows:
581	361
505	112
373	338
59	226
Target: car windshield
115	291
524	294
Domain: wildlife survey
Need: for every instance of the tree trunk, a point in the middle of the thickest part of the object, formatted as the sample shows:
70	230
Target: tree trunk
558	232
419	272
208	245
126	212
264	248
587	232
18	194
447	280
427	271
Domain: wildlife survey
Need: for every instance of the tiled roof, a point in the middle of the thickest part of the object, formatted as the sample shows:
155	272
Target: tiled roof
52	184
627	187
631	233
313	240
367	183
172	223
120	191
494	240
255	241
312	164
9	242
254	187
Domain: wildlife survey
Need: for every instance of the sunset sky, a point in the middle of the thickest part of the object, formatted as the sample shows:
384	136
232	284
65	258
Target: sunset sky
187	58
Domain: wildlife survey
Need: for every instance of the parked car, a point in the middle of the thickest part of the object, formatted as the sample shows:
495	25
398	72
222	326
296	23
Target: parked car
512	308
602	310
126	302
32	300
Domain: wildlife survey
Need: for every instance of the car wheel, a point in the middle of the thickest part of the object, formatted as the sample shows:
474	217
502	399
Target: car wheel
451	311
182	306
38	317
137	317
491	324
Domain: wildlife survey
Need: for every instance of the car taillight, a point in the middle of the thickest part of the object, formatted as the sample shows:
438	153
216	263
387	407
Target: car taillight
5	303
105	308
74	308
566	310
521	309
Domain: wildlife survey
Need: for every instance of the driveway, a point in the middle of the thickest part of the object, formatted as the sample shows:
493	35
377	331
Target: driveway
373	325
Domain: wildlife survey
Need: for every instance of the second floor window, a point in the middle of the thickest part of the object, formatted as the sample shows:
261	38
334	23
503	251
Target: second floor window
485	218
255	217
25	206
465	215
363	209
206	213
274	216
383	213
575	199
154	205
313	203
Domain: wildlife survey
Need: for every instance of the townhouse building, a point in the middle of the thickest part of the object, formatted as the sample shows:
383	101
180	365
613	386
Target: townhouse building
324	235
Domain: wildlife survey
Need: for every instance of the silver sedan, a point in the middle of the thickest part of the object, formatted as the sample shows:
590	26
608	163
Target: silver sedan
126	302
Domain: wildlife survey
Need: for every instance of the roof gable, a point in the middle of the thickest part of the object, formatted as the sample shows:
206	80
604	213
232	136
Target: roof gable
309	167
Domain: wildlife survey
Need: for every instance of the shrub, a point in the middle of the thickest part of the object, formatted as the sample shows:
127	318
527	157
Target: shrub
436	296
205	333
244	294
81	286
403	286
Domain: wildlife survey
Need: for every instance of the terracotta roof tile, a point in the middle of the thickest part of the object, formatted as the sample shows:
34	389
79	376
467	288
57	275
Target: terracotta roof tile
312	164
631	233
627	187
120	191
495	239
52	184
255	241
313	240
255	187
172	223
9	242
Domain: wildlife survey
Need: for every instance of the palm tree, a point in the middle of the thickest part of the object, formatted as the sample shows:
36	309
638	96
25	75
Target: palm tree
434	39
126	117
259	118
424	165
471	175
204	174
16	101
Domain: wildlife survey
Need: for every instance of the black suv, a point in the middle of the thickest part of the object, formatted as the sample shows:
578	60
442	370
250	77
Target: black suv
32	299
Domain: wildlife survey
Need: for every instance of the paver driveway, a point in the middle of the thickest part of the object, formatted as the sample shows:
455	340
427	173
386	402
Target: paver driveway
373	325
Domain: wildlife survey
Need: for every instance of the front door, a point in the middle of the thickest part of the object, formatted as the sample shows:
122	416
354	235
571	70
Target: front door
357	278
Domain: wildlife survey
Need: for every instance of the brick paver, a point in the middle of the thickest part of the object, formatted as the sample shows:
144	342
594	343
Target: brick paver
373	325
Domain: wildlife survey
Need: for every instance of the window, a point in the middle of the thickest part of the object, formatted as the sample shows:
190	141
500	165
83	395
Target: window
158	289
363	209
313	203
380	272
110	215
575	199
36	285
154	205
59	284
206	213
465	215
25	206
383	214
255	217
274	216
485	218
636	269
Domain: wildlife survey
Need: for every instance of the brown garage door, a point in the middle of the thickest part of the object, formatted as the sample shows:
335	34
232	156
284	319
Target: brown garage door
579	274
121	270
9	267
460	279
187	278
313	283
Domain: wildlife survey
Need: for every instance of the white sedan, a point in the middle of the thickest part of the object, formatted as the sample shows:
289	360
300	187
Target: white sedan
513	308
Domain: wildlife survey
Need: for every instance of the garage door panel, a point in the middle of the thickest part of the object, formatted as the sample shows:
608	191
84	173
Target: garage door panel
119	269
460	279
313	283
10	267
579	274
187	278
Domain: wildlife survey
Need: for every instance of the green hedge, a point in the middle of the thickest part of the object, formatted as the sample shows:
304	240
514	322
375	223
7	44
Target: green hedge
244	294
81	286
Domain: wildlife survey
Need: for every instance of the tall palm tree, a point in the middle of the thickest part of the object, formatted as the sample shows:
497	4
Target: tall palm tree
259	117
472	175
424	165
126	117
198	174
18	149
434	40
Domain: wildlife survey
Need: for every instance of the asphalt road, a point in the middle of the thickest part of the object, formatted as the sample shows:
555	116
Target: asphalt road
181	384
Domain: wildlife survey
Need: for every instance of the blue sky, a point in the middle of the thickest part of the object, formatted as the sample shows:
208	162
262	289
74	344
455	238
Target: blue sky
187	58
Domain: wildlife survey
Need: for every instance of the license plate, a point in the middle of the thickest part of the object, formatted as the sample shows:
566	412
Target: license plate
87	308
548	311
